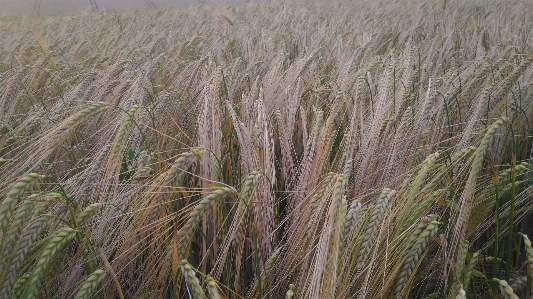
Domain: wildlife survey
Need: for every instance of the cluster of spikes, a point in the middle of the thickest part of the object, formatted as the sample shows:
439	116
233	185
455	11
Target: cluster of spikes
235	153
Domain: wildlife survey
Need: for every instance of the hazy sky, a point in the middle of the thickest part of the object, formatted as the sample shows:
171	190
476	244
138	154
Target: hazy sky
70	6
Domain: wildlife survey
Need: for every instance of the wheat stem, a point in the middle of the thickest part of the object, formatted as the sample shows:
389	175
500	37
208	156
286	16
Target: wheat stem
193	284
412	258
507	291
52	248
8	204
87	289
186	232
212	288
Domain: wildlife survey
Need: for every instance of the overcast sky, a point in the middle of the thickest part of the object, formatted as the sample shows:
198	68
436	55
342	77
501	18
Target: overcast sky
72	6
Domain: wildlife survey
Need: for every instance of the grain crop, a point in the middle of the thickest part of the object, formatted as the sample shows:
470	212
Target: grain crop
273	149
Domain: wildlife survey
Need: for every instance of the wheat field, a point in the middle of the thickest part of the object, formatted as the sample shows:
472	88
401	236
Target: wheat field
364	149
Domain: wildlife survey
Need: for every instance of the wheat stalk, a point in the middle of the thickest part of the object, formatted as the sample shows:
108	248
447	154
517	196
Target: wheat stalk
352	214
58	135
87	213
21	282
373	224
477	163
186	232
87	289
507	291
462	259
269	264
529	256
9	203
15	227
6	105
32	231
467	273
325	264
412	258
12	259
213	288
236	233
49	252
299	106
193	284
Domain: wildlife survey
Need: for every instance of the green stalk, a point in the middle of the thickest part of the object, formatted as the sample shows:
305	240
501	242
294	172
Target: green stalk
497	228
458	112
511	216
257	262
371	99
496	182
447	114
394	90
256	250
419	79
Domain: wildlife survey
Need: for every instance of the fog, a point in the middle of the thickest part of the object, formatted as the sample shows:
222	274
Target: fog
28	7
